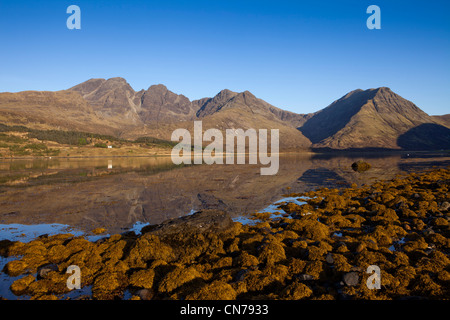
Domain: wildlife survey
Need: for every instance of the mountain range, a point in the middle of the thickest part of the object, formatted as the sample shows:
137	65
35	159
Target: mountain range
361	119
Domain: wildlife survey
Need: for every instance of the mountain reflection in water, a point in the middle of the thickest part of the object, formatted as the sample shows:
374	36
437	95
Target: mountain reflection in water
119	193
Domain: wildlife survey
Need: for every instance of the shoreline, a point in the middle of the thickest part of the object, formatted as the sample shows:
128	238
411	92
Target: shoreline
299	152
319	250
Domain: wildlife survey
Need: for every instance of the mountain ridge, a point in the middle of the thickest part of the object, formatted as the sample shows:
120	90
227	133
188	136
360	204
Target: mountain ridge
372	118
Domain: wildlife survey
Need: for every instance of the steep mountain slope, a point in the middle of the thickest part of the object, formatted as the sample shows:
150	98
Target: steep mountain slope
231	110
52	110
374	118
444	120
244	110
115	99
227	99
158	112
159	105
111	106
112	98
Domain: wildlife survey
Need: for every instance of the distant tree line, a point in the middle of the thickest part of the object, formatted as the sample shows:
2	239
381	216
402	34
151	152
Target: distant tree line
68	137
79	138
60	136
154	141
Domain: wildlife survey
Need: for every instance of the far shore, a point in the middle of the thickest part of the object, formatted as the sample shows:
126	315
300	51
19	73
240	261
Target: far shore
167	152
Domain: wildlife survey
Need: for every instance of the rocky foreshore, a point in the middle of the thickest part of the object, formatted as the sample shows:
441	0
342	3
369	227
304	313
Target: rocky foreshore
319	250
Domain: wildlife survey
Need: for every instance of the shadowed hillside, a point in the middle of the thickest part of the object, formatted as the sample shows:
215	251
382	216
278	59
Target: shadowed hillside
425	137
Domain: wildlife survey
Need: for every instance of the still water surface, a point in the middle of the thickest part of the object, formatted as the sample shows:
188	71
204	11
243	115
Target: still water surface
77	195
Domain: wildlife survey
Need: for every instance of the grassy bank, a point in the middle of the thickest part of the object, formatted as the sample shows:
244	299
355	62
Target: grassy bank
23	142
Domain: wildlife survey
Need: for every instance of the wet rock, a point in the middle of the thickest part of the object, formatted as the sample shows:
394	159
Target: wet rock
351	279
329	259
15	268
20	286
145	294
304	277
240	276
199	222
44	270
444	206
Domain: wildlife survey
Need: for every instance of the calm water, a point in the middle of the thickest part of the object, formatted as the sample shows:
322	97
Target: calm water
78	195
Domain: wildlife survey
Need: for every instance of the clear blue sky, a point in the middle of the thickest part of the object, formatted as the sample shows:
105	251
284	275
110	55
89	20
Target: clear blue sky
296	55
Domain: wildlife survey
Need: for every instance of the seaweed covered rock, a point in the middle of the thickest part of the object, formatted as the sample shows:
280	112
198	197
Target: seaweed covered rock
216	290
361	166
271	252
109	285
15	268
309	228
20	286
176	278
142	278
148	247
296	291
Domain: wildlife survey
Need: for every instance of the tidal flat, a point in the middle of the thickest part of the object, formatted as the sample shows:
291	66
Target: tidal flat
316	247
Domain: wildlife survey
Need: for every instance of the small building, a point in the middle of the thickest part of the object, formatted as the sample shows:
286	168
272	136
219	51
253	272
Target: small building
109	147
